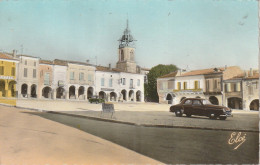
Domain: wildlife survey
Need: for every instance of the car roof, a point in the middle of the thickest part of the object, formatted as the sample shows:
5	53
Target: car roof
194	99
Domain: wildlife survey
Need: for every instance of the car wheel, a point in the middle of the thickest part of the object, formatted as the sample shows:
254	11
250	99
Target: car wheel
178	113
213	116
222	117
188	115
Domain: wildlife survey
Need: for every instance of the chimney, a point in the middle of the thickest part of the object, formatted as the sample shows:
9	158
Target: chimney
251	72
109	65
14	53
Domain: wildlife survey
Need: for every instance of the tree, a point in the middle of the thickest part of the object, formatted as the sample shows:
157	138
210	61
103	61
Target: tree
150	89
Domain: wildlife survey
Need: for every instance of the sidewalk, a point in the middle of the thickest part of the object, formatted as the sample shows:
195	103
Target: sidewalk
145	114
29	139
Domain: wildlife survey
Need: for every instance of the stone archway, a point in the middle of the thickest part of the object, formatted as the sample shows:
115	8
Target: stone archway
11	89
72	92
102	95
33	91
214	100
254	105
182	98
113	96
138	96
81	92
24	89
60	93
46	92
90	92
2	88
235	103
169	98
131	95
123	92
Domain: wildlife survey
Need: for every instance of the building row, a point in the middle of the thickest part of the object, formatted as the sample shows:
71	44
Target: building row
23	76
229	86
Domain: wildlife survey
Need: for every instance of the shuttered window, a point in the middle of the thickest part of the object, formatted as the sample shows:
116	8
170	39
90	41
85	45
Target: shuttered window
1	70
13	71
46	79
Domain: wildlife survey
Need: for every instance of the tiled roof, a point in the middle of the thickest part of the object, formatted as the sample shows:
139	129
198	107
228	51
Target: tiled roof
254	76
45	62
60	62
203	72
107	69
172	74
5	56
65	62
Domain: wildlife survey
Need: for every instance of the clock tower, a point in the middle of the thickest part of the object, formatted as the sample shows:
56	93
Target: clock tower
126	52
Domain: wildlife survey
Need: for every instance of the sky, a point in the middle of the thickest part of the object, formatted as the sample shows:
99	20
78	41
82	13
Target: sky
191	34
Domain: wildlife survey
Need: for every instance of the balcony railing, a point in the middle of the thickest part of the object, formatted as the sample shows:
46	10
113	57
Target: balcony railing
187	90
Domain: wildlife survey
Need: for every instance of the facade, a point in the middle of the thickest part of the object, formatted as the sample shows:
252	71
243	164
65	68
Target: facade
250	85
27	76
114	85
45	87
205	83
241	91
8	73
60	84
81	80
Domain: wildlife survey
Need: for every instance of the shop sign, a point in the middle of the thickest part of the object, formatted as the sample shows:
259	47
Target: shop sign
7	77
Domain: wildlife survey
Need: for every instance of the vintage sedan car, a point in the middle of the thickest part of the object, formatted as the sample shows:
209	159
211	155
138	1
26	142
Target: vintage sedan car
200	107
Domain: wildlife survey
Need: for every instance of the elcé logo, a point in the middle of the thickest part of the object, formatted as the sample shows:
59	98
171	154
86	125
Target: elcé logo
237	138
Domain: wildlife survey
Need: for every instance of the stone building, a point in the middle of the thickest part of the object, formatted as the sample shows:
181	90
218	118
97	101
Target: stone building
126	52
8	76
116	85
205	83
45	87
27	76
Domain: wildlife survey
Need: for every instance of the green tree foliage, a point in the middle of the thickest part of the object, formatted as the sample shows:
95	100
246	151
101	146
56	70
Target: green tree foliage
150	89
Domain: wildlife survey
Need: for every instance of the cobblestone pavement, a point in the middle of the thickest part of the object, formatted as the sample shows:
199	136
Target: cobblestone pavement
146	114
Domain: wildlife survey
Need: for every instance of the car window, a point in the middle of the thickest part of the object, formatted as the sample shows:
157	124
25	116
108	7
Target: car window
188	102
196	102
206	102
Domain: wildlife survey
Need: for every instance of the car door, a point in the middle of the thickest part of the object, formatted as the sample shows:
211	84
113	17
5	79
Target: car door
187	106
197	108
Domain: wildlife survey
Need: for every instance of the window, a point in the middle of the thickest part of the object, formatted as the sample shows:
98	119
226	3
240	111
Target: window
179	85
170	84
138	82
123	81
25	72
13	71
145	79
250	90
34	63
102	81
188	102
215	84
196	85
71	75
207	85
81	76
110	82
131	83
196	102
161	85
228	87
184	85
25	62
89	77
1	70
47	79
34	73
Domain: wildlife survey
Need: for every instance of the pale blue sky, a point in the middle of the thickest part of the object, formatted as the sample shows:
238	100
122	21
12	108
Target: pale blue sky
197	33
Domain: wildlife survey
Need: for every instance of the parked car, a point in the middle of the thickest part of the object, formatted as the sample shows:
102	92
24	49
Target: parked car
96	99
200	107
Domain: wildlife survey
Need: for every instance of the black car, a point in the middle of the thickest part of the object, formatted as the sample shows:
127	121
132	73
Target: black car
200	107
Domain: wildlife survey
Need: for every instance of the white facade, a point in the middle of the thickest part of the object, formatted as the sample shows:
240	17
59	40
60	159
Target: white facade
27	76
119	86
60	84
185	87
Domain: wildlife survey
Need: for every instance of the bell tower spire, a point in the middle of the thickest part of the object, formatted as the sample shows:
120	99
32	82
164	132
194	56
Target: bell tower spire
126	51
